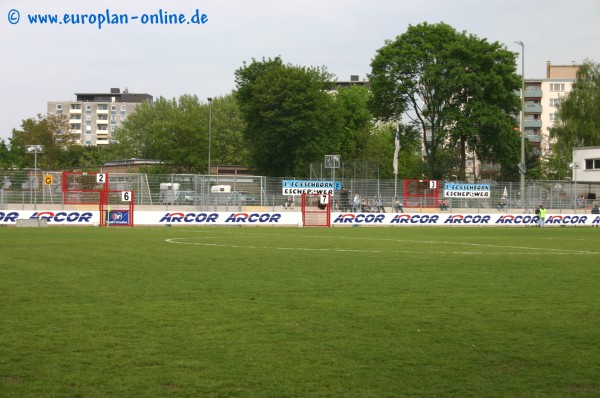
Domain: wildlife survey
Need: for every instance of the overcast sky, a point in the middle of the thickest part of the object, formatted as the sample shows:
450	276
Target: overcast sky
53	62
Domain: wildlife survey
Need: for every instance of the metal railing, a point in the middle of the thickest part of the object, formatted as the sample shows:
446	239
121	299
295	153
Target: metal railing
26	188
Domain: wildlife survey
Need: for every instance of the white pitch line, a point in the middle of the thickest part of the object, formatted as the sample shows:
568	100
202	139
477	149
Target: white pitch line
544	249
559	252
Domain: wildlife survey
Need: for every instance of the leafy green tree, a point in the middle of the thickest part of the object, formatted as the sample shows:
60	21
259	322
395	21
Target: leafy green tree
379	146
357	121
176	132
87	157
457	88
578	117
290	119
173	131
137	136
533	164
51	131
6	161
228	144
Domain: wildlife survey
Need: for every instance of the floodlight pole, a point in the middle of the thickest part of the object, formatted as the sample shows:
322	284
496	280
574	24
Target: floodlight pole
209	131
522	123
35	149
574	166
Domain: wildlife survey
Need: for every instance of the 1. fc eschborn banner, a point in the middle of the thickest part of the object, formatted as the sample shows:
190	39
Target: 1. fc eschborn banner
452	190
298	187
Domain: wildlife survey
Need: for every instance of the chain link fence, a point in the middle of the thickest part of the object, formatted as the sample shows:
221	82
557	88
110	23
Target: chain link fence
27	189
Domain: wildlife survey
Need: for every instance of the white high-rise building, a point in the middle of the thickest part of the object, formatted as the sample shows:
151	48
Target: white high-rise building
93	117
542	97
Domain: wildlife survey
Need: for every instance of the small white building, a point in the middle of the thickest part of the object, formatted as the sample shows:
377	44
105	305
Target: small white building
586	164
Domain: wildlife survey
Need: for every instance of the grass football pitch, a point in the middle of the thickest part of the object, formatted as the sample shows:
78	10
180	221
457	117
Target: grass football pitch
297	312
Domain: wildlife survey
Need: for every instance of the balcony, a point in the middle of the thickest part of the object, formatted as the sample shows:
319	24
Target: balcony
533	93
533	108
533	138
533	124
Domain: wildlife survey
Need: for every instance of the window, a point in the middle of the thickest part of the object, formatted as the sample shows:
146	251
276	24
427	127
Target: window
555	102
88	109
58	109
553	117
76	107
592	164
557	87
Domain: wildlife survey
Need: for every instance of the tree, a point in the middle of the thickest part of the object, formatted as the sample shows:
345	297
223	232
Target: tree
290	119
578	116
6	161
380	145
176	132
457	88
173	131
52	131
229	146
136	136
357	121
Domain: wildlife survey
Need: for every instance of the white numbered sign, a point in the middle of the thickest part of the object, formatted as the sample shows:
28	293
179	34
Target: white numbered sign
126	196
101	178
432	184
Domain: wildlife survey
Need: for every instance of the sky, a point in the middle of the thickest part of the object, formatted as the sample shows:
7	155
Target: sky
42	63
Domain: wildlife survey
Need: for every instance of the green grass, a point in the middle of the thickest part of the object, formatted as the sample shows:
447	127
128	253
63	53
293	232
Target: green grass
294	312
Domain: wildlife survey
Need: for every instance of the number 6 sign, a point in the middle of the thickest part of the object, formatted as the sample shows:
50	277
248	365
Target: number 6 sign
126	196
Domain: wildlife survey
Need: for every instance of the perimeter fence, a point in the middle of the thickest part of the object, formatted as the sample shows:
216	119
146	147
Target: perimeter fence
26	188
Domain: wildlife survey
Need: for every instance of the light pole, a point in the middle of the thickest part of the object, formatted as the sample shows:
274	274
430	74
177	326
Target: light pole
522	169
35	149
209	130
574	166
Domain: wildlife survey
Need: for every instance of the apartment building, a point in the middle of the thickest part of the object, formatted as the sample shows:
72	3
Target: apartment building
542	97
93	117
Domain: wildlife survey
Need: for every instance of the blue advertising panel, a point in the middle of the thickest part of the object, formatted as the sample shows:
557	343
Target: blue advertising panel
298	187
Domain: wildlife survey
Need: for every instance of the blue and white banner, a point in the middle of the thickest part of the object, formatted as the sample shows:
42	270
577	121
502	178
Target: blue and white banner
256	218
476	191
298	187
